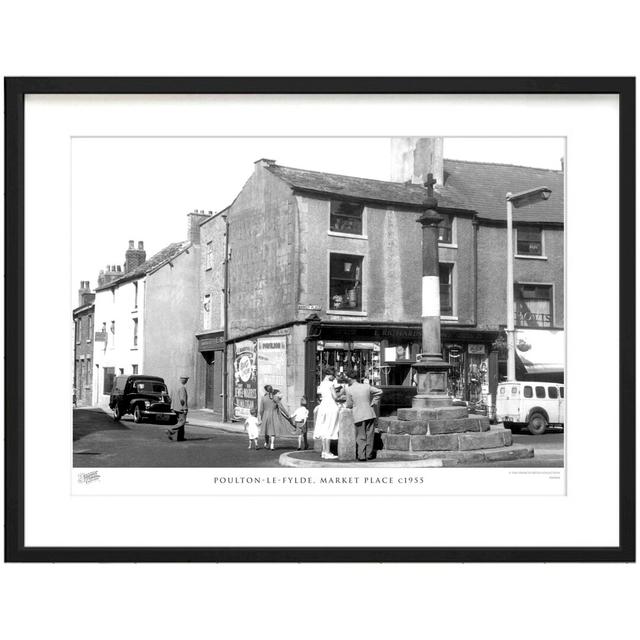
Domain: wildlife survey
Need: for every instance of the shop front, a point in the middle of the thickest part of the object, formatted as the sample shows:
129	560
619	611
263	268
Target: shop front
384	355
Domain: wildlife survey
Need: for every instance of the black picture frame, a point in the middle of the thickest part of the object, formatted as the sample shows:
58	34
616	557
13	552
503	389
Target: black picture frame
15	91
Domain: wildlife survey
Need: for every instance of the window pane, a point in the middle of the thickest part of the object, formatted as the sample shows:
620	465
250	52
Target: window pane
345	282
553	392
540	392
562	392
346	217
528	392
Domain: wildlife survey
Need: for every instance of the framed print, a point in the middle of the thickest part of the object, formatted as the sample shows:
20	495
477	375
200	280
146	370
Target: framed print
320	319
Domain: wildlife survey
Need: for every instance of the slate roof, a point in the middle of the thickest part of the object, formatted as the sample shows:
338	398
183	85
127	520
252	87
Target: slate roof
157	261
378	191
485	186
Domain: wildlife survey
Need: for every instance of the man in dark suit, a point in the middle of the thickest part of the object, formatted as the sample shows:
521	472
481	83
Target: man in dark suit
180	404
361	398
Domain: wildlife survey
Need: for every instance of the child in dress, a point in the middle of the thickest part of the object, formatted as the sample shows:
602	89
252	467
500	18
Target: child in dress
299	417
251	426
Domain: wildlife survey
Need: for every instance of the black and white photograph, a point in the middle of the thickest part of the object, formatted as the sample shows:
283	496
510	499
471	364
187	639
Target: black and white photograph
318	302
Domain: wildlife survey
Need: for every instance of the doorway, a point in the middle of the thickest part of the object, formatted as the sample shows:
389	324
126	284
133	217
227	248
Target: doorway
213	382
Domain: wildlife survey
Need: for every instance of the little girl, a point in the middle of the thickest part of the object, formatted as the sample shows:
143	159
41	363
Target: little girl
251	426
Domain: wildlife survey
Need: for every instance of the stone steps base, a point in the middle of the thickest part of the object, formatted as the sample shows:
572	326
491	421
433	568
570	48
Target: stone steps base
448	441
453	458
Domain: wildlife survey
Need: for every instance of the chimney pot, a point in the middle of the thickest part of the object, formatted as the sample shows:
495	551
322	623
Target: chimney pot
131	244
140	245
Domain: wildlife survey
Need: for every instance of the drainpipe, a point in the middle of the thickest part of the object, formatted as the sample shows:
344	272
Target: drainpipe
475	225
225	358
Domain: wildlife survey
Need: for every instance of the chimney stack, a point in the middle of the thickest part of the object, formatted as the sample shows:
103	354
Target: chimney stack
195	219
84	294
412	159
133	257
110	273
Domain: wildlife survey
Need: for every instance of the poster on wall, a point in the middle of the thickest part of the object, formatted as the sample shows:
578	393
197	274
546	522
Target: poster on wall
245	396
272	364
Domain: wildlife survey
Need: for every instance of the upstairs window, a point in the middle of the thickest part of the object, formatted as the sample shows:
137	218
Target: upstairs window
346	217
534	307
135	295
209	256
345	282
446	289
77	327
445	229
206	311
528	241
135	332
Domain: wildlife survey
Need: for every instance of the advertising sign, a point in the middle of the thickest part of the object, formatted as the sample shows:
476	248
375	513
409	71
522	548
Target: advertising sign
272	364
245	394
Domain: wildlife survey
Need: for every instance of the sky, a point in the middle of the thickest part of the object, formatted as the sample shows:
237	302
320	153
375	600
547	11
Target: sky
143	188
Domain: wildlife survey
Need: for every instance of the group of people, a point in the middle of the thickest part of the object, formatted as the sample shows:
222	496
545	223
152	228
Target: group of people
271	420
337	393
343	400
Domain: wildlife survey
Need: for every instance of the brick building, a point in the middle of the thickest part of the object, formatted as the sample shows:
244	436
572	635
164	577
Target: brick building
83	316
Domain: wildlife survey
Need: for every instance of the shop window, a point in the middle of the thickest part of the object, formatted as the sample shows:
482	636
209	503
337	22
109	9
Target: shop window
533	304
109	375
346	217
345	282
445	229
528	241
446	289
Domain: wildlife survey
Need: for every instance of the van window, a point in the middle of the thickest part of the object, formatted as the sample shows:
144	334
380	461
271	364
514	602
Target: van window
553	392
562	392
540	392
502	390
528	392
514	391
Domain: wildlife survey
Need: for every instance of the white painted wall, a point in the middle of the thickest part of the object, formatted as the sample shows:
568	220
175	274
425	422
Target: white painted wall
118	305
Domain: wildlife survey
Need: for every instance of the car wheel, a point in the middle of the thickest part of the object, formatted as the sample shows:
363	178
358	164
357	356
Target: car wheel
537	424
137	414
117	416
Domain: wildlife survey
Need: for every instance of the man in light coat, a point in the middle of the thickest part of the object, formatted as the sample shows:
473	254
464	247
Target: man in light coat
361	398
180	404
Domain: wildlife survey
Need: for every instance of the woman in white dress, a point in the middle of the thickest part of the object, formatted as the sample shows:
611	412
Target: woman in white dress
326	423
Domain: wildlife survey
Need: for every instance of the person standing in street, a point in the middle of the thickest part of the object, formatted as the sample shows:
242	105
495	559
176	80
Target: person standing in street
180	404
361	398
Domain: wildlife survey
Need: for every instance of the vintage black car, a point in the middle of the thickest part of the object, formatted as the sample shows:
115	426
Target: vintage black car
143	396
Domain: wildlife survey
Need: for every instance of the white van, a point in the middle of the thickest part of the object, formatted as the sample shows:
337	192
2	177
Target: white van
535	405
